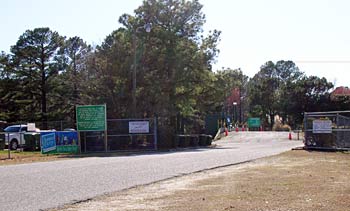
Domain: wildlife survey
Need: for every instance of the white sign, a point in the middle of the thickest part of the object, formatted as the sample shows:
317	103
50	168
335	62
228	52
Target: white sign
31	127
322	126
139	127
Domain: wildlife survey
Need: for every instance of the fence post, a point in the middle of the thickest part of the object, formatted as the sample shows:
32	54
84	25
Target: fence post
305	126
298	134
155	133
21	137
85	142
79	141
8	146
106	141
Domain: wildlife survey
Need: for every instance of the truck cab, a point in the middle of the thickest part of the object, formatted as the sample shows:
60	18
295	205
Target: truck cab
14	136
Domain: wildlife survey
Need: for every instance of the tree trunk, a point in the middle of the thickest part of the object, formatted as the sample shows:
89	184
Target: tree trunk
272	118
43	101
172	89
43	92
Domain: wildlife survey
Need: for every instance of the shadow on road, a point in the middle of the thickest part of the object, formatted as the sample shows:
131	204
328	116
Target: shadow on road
141	153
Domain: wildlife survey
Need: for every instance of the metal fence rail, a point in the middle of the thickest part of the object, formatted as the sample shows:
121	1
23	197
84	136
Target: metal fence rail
3	137
118	135
49	125
327	130
120	138
5	140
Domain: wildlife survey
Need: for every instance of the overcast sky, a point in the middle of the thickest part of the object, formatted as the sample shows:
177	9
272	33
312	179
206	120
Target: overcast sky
314	33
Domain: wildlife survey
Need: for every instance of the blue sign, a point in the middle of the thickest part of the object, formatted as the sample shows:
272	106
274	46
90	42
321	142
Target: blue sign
48	142
66	138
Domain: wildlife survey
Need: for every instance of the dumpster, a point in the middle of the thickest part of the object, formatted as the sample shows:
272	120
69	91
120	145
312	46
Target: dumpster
194	140
32	141
2	141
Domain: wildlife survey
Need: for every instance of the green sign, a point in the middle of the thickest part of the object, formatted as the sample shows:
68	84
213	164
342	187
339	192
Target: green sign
91	118
254	122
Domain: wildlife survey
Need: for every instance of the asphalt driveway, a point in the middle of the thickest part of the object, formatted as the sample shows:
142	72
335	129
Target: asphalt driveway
46	185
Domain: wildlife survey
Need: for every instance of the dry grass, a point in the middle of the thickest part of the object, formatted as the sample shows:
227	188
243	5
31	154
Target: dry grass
17	157
296	180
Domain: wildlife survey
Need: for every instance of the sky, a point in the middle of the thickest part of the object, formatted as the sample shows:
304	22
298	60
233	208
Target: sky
315	34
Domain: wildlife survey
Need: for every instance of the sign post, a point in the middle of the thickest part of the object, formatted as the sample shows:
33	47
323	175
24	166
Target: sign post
92	118
9	148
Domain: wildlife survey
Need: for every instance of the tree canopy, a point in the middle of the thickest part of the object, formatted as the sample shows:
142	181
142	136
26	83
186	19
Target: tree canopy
46	74
282	89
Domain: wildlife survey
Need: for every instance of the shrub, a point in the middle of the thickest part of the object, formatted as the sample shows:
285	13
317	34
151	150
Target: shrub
280	127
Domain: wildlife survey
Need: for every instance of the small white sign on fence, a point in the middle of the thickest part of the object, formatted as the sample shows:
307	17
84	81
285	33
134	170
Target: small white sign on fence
31	127
322	126
139	127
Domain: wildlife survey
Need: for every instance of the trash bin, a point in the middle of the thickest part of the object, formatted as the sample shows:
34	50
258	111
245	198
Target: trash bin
32	141
209	140
2	141
184	141
202	140
194	140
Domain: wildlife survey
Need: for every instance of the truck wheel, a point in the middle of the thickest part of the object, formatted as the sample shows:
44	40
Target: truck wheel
14	144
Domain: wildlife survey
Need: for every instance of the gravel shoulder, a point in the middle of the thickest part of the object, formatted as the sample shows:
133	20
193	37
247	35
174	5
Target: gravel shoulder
296	180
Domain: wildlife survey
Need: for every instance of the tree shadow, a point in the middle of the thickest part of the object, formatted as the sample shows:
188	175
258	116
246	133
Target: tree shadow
134	153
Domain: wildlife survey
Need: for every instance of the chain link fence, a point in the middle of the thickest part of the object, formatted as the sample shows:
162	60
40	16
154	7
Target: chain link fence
121	136
49	125
327	130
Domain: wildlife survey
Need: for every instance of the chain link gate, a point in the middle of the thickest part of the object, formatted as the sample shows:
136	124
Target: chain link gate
120	136
327	130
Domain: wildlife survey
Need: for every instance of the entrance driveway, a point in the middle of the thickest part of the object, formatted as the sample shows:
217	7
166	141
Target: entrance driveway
50	184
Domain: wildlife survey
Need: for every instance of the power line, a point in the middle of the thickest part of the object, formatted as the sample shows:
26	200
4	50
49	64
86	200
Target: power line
324	61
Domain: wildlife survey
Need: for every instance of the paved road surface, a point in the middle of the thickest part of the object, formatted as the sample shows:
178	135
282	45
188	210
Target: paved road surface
50	184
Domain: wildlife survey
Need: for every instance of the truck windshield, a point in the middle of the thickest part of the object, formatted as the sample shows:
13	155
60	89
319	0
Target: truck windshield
12	129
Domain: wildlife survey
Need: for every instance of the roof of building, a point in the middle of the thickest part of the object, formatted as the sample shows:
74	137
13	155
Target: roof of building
341	91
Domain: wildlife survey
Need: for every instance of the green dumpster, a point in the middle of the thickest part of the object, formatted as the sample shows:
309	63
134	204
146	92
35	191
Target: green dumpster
2	141
32	141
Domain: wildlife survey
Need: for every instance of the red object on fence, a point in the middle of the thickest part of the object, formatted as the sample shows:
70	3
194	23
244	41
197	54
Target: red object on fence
236	129
290	136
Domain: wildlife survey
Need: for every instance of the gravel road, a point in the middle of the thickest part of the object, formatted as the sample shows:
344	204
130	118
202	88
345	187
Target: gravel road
46	185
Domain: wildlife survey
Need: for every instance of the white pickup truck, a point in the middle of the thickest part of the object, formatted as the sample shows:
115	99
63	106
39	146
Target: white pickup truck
14	135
